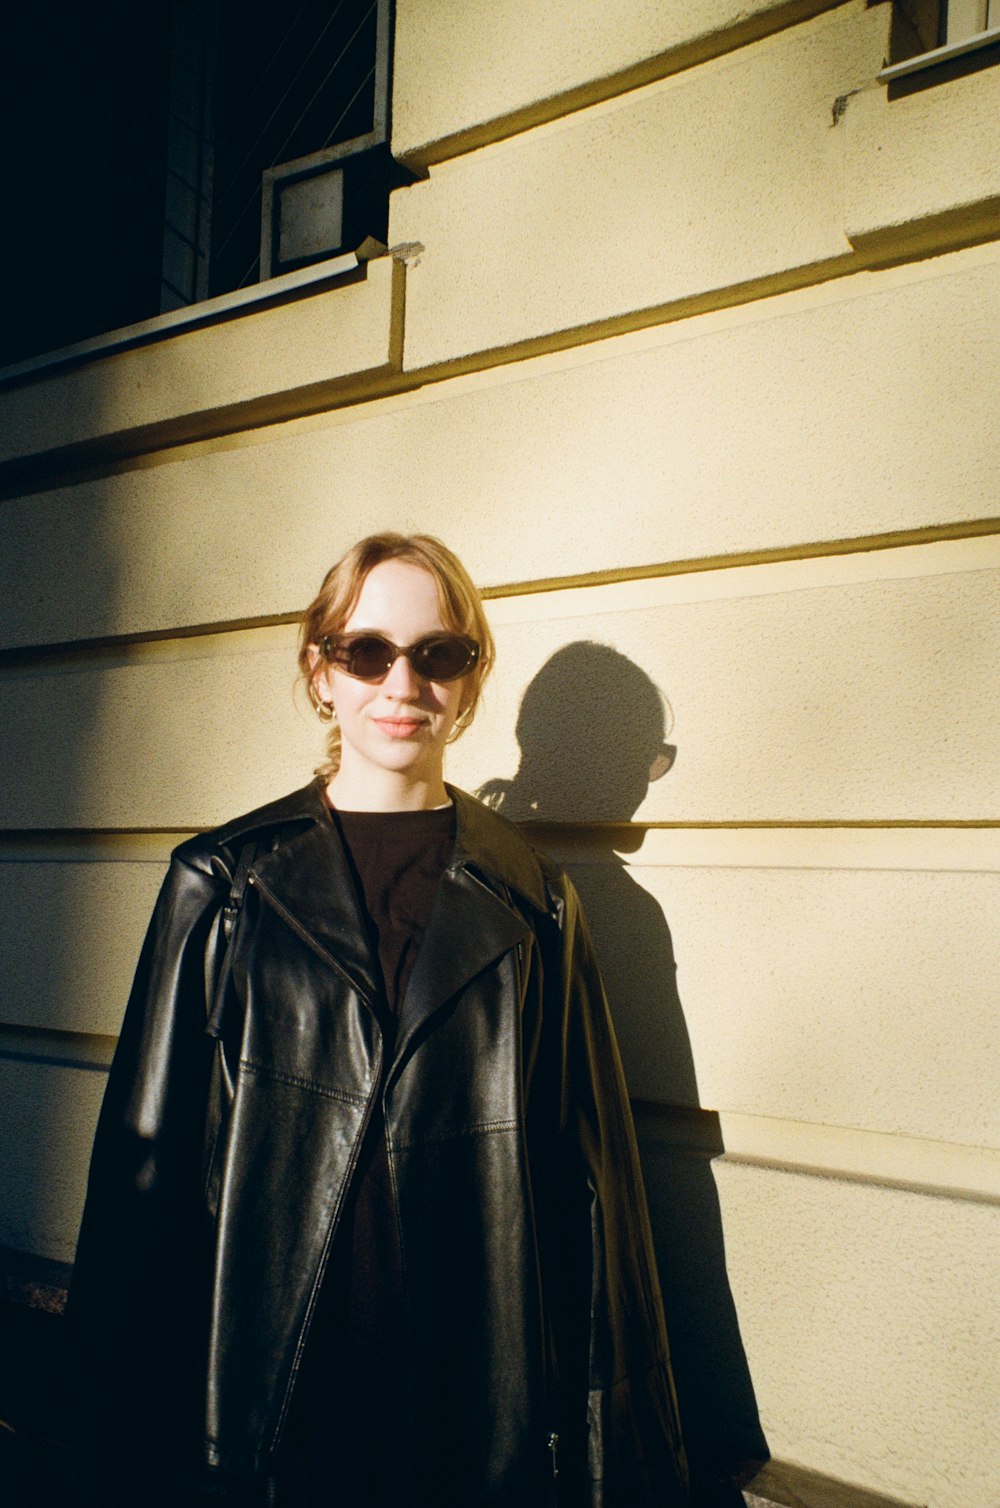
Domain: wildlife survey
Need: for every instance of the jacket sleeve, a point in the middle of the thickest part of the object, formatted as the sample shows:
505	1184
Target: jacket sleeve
635	1455
136	1311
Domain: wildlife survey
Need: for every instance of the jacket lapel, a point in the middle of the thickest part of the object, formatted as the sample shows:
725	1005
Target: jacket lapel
308	879
468	929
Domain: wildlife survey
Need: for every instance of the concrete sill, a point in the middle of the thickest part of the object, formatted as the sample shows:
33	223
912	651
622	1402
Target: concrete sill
258	295
289	346
946	54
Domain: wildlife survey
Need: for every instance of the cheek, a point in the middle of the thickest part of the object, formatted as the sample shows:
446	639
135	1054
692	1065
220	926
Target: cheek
345	693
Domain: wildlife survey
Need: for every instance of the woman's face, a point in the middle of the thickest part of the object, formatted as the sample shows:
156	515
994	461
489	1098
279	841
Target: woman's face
394	730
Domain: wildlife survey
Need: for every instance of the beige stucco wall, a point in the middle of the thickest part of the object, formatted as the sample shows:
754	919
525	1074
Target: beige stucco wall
794	697
696	368
461	72
893	1290
795	419
924	156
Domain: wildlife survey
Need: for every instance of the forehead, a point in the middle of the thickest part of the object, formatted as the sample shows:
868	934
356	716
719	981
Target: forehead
397	594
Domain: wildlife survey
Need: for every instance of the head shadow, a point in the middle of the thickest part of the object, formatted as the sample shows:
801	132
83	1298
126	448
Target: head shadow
593	732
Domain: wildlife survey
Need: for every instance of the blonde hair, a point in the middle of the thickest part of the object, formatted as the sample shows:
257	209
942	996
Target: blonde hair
462	612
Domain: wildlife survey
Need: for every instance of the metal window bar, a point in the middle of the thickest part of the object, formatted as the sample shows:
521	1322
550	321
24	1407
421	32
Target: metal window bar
262	133
187	208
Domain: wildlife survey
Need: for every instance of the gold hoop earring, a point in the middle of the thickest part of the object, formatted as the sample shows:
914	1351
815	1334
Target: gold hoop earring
323	710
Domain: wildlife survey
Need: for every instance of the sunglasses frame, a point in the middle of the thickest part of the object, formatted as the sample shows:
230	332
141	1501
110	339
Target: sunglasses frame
336	649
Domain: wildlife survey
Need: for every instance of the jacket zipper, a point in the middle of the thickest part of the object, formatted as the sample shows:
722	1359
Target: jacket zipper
355	1153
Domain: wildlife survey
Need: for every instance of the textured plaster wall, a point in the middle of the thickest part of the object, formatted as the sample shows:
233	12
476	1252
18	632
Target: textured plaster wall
713	178
50	1112
870	1320
695	292
809	703
459	65
925	154
835	411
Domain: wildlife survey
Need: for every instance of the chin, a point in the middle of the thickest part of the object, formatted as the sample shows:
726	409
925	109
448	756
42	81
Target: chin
405	758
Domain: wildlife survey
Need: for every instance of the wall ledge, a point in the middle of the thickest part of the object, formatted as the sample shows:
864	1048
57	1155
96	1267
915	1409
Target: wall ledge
298	346
336	270
781	1484
421	147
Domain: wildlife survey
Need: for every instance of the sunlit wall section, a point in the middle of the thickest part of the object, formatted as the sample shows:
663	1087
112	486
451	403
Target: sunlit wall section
687	339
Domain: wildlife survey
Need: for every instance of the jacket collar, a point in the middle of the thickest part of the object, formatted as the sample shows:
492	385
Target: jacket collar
484	840
488	842
305	874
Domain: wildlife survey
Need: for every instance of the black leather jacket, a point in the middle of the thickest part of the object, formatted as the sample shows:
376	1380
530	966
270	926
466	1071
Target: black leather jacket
244	1078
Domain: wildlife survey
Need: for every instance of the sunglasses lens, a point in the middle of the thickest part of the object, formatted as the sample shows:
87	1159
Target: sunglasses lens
444	657
367	657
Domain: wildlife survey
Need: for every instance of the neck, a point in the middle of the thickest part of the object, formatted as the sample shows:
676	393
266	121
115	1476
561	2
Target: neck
385	791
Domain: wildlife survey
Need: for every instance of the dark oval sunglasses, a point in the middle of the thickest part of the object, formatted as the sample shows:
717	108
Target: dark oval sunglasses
368	657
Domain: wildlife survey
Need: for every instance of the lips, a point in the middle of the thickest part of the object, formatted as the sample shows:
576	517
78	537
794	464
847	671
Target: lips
399	727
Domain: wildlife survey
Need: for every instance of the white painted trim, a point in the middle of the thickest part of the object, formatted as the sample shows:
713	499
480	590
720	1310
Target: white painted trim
305	280
943	54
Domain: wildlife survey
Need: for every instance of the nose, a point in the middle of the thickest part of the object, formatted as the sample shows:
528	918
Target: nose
401	680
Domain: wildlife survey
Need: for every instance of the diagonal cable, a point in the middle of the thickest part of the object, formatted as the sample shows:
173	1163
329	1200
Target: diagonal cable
270	119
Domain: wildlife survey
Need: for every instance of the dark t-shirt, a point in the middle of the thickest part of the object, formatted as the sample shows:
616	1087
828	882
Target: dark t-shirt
351	1416
398	859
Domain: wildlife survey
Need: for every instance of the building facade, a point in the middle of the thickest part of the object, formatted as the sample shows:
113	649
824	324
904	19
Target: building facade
685	334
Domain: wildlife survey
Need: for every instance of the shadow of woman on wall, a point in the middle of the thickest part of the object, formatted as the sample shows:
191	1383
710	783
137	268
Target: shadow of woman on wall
592	729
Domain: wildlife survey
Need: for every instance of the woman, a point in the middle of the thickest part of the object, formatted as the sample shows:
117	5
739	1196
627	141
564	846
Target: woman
365	1222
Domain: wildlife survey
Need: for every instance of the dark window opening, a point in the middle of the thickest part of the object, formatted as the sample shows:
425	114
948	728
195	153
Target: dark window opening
158	149
281	101
84	101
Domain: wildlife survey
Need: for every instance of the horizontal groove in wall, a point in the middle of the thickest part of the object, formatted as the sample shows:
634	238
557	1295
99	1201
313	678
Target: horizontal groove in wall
69	652
53	1048
87	846
89	460
562	831
976	528
911	846
29	844
74	651
909	1163
864	824
963	847
678	59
